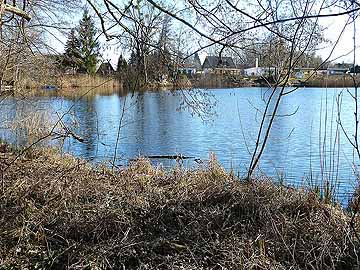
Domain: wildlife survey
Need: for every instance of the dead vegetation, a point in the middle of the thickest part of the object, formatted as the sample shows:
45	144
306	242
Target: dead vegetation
334	81
61	213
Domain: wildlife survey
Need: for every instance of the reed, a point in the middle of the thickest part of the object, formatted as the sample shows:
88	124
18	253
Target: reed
85	80
58	212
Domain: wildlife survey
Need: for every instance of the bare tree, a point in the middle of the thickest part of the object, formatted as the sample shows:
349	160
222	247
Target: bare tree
23	45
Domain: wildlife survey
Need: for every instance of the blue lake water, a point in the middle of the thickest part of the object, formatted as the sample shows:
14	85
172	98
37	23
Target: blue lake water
303	147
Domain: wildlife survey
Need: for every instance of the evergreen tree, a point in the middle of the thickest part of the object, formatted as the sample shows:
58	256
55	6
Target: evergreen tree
122	65
197	61
72	55
122	68
134	60
89	47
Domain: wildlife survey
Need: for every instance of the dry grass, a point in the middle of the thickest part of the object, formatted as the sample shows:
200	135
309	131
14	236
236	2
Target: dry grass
221	81
30	125
84	80
61	213
332	81
32	84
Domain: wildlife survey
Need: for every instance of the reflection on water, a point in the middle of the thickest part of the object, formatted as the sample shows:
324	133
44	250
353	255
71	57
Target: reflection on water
153	125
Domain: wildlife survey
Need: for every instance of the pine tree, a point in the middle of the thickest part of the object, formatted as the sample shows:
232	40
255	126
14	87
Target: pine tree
89	47
72	55
122	67
122	64
134	60
197	61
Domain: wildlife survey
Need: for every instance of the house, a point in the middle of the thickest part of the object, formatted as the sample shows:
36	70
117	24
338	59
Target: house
190	66
302	73
337	71
321	72
220	65
355	70
305	73
105	69
260	71
187	69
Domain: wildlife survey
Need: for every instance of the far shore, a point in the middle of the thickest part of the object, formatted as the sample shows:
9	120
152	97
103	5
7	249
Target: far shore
71	84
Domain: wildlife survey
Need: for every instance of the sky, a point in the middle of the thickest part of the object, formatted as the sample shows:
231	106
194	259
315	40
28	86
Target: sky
344	51
332	28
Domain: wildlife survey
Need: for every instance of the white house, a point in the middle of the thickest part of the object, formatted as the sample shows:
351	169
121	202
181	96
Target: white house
187	70
337	71
259	71
190	66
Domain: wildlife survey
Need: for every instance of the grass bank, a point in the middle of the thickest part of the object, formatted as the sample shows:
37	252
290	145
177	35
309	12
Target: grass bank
64	84
61	213
85	80
335	81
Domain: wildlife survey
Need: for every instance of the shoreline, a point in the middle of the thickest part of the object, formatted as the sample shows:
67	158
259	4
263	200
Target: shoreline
71	84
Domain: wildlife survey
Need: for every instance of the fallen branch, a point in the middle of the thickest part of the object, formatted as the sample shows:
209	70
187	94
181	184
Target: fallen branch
169	157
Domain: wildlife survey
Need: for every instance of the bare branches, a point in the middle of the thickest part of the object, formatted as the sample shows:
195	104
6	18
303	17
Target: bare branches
17	11
118	136
288	30
261	143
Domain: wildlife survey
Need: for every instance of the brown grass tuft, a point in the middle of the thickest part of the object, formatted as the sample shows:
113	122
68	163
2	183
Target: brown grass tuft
60	213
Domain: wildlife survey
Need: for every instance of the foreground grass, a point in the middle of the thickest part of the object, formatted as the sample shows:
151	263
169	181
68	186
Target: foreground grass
60	213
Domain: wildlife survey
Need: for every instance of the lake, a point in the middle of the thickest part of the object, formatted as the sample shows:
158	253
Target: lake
303	147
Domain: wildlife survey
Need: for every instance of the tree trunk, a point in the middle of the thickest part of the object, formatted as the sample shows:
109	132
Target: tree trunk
2	11
145	70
